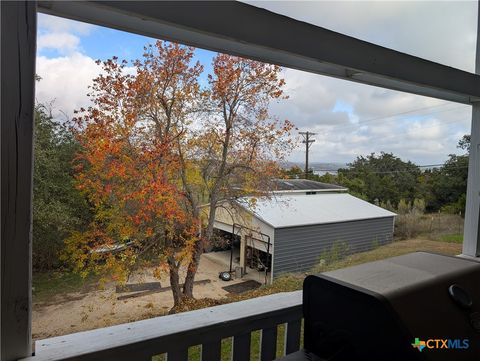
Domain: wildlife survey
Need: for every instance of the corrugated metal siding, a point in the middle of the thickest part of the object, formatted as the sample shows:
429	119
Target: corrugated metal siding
298	249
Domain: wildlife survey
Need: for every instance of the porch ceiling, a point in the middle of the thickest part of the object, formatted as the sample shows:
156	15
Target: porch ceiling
246	30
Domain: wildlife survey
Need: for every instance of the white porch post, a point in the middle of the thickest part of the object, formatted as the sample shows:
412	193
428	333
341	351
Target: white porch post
18	38
471	235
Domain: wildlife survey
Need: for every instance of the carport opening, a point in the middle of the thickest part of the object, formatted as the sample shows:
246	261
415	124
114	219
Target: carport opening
225	248
256	261
257	256
226	241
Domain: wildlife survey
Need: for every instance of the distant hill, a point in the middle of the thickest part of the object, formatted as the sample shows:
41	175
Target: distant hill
316	166
327	166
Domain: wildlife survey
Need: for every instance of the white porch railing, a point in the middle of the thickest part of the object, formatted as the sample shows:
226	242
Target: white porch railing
174	334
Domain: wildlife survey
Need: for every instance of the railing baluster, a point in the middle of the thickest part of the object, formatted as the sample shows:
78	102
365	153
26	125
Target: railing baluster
178	355
211	351
268	344
292	336
241	347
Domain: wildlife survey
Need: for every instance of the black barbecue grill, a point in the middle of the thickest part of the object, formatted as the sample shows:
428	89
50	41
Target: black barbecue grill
419	306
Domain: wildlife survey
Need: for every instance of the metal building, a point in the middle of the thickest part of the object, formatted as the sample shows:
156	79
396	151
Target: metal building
304	186
290	232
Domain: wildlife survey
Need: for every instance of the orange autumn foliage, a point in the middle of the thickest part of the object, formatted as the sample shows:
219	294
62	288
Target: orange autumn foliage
128	167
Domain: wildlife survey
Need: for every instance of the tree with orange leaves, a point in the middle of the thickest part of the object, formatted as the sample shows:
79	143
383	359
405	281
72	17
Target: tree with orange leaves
128	166
238	144
155	146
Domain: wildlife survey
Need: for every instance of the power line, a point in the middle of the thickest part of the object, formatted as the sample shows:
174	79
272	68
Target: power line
308	141
391	171
405	132
361	123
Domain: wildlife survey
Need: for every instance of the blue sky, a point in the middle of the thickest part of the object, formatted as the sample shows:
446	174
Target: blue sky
103	43
350	119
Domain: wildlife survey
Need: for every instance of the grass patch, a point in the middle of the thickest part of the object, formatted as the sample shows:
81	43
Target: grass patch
393	249
431	226
452	238
49	285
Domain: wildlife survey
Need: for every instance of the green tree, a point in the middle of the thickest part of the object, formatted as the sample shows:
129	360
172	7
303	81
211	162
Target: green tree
464	143
381	178
295	172
58	208
386	179
447	185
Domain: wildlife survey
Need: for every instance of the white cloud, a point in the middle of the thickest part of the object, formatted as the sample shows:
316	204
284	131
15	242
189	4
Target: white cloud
59	25
63	42
368	123
427	130
65	81
443	32
60	34
65	78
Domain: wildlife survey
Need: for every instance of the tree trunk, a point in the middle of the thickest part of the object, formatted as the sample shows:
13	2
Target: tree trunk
192	269
199	247
211	220
193	265
200	244
175	282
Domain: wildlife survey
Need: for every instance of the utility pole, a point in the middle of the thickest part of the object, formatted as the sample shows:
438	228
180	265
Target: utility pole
308	142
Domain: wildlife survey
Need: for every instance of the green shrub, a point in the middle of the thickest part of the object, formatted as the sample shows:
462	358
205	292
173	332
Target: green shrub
338	251
409	220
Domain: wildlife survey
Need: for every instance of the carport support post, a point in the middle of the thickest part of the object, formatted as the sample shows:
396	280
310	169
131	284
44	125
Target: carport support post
471	233
243	241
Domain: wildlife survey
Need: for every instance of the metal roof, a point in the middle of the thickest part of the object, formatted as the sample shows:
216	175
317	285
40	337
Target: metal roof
301	210
304	185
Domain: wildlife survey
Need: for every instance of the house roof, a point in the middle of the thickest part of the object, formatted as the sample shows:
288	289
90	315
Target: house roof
282	185
300	210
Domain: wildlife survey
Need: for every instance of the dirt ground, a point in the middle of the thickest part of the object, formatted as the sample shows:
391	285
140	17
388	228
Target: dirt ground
80	311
